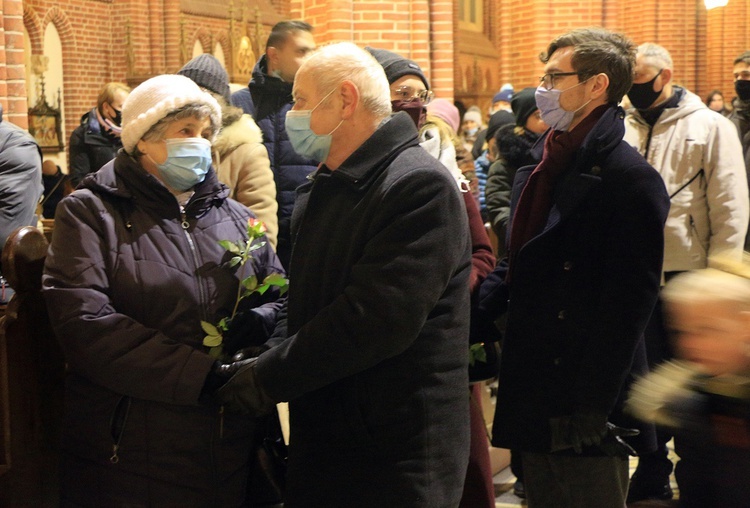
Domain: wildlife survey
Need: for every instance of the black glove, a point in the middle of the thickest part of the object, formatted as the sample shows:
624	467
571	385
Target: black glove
247	328
613	443
578	430
242	393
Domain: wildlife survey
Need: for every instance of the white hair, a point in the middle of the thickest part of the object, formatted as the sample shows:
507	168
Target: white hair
332	64
726	280
655	55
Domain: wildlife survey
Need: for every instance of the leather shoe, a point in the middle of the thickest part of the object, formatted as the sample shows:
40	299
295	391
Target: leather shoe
642	490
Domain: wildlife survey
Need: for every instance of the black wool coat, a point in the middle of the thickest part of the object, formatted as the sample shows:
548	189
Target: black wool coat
375	363
582	289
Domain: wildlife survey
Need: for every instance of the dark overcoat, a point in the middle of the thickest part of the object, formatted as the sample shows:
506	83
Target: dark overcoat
375	363
582	290
127	280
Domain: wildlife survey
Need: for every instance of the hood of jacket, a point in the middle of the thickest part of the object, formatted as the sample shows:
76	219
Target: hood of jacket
260	80
125	180
243	131
515	148
689	104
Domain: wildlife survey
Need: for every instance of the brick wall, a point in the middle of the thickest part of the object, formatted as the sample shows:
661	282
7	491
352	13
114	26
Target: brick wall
12	68
94	33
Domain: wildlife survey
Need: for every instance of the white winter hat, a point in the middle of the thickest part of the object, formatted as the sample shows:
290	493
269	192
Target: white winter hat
157	97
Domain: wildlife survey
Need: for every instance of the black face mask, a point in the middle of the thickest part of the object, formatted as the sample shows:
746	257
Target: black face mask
742	87
414	109
642	95
117	119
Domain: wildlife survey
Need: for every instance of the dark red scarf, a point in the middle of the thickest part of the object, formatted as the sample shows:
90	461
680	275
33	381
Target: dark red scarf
535	203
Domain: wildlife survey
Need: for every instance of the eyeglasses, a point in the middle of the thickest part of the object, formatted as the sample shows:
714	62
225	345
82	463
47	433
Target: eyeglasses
548	80
409	93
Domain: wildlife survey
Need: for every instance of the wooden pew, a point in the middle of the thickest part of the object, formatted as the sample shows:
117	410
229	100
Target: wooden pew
31	380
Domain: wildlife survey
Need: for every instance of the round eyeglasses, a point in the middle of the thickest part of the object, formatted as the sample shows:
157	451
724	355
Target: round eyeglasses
409	93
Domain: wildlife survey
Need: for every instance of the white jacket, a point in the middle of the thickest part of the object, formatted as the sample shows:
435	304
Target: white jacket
709	211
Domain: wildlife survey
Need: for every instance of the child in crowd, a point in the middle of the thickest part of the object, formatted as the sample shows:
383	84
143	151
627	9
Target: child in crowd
704	396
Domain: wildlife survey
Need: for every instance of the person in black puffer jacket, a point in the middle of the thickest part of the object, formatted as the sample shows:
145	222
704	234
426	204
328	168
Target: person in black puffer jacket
267	99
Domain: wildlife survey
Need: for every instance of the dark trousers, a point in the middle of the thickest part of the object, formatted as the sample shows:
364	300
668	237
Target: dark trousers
567	481
479	491
656	467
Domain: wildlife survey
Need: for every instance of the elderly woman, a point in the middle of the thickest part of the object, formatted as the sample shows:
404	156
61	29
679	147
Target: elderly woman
134	266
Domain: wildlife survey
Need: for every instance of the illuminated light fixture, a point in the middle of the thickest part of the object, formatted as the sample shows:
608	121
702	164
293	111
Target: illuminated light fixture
711	4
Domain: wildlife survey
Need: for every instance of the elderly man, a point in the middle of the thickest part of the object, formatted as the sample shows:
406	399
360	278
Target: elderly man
373	354
585	252
699	157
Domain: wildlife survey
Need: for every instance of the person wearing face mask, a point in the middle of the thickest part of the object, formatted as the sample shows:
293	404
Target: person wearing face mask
372	353
699	157
740	115
96	140
267	98
134	266
410	92
581	278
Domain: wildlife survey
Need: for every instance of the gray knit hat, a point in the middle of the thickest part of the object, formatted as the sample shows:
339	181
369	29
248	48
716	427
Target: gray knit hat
207	72
396	66
157	97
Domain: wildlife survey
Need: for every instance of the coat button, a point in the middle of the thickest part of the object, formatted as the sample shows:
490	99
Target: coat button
596	170
561	314
568	266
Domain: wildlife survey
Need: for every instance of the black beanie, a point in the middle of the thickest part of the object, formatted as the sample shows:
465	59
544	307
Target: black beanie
523	104
396	66
497	120
206	71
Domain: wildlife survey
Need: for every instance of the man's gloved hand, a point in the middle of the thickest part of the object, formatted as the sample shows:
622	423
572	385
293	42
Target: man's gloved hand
578	430
242	393
613	443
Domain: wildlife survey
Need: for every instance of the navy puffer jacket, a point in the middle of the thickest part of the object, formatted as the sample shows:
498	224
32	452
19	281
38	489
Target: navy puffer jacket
127	280
267	100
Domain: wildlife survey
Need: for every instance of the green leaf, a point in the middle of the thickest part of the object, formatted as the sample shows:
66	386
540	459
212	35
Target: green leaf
234	261
215	352
212	340
477	353
262	289
276	279
209	328
223	324
250	283
230	246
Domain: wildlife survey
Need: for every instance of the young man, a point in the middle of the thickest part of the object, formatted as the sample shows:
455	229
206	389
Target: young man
267	99
585	252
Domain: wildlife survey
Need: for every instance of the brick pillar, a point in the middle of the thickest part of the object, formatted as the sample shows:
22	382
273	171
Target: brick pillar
12	68
442	28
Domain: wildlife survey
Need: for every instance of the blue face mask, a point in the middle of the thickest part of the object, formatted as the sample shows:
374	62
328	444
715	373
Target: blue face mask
304	141
553	114
188	160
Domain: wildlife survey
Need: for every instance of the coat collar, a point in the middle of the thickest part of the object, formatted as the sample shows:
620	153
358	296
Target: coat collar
395	134
585	174
124	178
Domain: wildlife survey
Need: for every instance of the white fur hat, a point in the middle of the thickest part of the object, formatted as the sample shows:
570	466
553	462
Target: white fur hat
157	97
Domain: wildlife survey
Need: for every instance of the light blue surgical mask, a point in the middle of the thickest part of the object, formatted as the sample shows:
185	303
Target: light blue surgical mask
188	160
304	141
553	114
